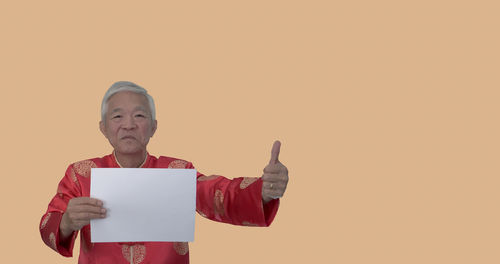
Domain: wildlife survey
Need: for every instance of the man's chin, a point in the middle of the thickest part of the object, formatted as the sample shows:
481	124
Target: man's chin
129	150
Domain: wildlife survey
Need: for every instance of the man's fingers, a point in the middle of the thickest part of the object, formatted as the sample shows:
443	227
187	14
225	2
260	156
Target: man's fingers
272	177
267	177
271	169
85	216
275	168
274	185
86	200
275	177
89	216
83	208
275	152
273	193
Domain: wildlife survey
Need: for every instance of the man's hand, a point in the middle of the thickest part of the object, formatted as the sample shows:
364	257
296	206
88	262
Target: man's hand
275	177
78	214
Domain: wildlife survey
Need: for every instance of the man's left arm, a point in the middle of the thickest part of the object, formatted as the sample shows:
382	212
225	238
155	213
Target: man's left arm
243	201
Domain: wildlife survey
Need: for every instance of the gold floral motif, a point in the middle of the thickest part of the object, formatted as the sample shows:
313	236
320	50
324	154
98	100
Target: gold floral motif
219	203
45	220
207	178
72	175
126	252
177	164
134	254
83	167
181	248
139	253
245	223
247	181
52	240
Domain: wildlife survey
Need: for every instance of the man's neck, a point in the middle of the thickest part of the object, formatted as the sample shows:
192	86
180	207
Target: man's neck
131	160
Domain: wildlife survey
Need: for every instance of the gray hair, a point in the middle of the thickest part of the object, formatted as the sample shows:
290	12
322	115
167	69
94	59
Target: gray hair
126	86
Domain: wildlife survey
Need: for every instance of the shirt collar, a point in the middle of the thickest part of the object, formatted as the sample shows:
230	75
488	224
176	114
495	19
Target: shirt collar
142	164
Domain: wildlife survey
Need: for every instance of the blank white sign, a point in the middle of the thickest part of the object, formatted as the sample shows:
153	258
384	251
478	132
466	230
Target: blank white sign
144	204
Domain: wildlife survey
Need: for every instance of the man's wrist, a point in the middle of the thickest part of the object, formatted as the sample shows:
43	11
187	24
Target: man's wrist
64	231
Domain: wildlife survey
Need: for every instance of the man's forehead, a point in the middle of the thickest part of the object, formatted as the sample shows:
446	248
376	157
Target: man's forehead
137	108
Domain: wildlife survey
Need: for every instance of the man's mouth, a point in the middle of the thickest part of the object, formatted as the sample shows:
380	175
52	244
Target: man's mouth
128	137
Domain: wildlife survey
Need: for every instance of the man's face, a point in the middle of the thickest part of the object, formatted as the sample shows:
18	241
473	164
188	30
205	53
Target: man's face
128	125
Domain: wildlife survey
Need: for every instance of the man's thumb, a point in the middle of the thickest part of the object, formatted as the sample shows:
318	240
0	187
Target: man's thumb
275	152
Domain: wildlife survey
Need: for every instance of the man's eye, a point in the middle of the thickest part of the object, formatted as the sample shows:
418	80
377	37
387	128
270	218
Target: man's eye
140	115
116	116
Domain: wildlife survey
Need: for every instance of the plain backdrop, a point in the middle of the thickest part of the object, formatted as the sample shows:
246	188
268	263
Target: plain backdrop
387	112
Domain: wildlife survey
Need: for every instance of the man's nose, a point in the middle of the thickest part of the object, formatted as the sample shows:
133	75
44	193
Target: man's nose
129	123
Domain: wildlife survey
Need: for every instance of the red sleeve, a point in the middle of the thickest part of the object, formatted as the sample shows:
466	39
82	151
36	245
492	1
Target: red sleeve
68	188
237	201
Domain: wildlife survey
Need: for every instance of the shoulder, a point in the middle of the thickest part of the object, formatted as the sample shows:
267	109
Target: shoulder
83	167
173	163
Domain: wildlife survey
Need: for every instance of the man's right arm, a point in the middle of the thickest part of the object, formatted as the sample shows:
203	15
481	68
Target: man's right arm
68	188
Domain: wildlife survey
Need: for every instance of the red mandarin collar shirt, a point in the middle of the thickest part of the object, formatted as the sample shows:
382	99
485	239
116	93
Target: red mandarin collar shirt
237	201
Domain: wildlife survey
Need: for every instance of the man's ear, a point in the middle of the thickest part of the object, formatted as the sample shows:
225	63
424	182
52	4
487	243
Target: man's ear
102	128
154	127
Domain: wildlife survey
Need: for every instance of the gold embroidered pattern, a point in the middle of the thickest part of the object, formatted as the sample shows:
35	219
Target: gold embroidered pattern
181	248
247	181
83	167
139	253
52	240
219	203
245	223
45	220
177	164
72	175
134	253
207	178
126	252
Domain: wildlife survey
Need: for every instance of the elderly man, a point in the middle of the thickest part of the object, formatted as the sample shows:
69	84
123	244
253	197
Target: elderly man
128	121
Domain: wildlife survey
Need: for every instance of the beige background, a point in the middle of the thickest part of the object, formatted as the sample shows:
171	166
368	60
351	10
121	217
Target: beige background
387	111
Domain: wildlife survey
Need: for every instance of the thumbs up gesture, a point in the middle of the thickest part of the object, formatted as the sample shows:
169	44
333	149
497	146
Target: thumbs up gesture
275	177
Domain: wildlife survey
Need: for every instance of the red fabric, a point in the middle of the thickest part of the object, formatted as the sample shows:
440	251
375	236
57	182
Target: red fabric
237	201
